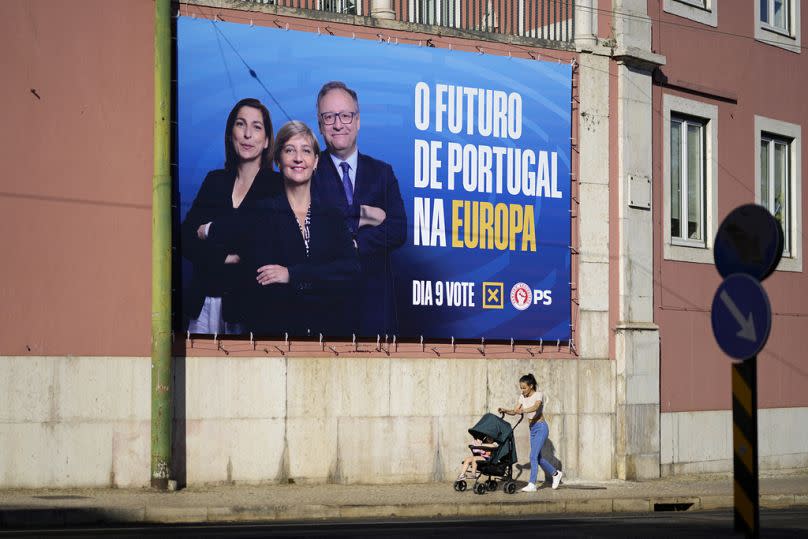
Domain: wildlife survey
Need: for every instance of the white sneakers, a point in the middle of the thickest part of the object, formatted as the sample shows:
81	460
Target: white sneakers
531	487
557	479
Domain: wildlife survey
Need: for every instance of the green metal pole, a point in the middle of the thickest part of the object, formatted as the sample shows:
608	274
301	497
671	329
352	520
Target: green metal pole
161	386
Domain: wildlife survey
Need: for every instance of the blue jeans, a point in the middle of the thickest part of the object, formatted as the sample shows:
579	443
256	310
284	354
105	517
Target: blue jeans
538	435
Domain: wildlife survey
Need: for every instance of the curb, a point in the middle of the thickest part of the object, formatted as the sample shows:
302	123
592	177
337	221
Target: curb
23	518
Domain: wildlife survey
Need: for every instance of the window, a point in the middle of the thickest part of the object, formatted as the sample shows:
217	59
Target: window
775	164
778	182
774	13
703	11
690	179
687	181
777	23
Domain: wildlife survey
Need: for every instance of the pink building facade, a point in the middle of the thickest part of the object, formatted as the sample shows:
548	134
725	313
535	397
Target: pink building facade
682	111
728	125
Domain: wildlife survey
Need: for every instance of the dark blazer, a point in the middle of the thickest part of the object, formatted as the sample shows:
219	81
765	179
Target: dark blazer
375	185
319	295
211	276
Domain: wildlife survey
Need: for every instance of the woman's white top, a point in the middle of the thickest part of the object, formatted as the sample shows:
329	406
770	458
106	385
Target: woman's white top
527	402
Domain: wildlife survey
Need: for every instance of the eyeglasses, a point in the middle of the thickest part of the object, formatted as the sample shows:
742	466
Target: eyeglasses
345	117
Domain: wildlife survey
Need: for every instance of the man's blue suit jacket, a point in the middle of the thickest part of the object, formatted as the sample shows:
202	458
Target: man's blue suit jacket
375	185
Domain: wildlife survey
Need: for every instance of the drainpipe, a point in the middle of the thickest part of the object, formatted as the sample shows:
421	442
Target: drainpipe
161	416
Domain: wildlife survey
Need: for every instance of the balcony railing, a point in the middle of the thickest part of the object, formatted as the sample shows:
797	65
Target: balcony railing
551	20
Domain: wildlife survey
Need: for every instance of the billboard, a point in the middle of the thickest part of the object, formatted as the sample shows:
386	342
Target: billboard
477	147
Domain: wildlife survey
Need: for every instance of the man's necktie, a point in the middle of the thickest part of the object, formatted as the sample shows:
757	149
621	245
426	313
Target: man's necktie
346	182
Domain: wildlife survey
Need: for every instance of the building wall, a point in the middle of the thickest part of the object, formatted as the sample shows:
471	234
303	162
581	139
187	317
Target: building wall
74	370
76	192
74	338
74	421
724	66
701	442
85	421
718	63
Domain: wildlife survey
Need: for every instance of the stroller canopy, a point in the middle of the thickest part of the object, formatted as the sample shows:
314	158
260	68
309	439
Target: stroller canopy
493	426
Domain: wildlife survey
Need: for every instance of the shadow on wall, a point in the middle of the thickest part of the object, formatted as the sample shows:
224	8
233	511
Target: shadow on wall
178	433
179	448
549	454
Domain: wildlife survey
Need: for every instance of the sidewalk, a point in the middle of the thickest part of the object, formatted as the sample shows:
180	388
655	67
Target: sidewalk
41	508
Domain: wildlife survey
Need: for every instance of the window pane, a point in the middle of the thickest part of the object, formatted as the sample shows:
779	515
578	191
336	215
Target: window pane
694	166
676	178
764	174
780	14
781	202
779	178
764	10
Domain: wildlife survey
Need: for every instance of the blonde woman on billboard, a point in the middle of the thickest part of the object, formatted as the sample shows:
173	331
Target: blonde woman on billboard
306	260
212	232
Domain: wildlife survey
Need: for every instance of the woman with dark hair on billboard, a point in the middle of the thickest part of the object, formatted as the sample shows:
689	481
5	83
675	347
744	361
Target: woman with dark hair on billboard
212	232
305	259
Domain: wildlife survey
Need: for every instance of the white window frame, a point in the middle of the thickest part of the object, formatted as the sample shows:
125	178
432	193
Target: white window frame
792	132
700	252
704	11
787	39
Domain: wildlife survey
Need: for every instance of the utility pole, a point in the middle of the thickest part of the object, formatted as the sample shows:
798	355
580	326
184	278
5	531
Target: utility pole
161	385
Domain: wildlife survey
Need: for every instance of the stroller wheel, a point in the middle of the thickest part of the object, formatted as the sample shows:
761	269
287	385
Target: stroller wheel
491	485
509	487
460	485
479	488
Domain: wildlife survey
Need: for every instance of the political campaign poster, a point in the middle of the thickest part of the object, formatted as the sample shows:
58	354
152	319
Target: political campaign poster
451	218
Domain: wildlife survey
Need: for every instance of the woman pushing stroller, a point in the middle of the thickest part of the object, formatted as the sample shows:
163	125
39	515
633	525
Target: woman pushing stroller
531	403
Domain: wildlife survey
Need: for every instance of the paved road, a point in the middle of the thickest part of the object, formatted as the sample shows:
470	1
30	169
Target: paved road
713	524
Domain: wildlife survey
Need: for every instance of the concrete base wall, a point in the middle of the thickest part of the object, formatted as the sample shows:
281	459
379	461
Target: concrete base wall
701	442
67	421
377	420
74	421
86	421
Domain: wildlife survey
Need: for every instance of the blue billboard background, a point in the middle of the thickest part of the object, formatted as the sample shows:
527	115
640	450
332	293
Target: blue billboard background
215	65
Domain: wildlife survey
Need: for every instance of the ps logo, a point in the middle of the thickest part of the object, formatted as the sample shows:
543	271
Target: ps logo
523	297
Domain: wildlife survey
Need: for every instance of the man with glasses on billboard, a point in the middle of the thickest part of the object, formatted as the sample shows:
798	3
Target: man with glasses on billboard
367	190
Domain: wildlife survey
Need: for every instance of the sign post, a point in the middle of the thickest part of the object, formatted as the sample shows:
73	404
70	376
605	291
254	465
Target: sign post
746	490
748	247
741	318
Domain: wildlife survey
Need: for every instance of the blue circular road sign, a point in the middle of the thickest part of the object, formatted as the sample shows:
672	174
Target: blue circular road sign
749	241
741	316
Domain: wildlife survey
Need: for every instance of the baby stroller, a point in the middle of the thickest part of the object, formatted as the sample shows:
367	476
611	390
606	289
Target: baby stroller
503	457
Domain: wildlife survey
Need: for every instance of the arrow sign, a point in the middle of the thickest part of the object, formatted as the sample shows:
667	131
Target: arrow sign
747	330
741	316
